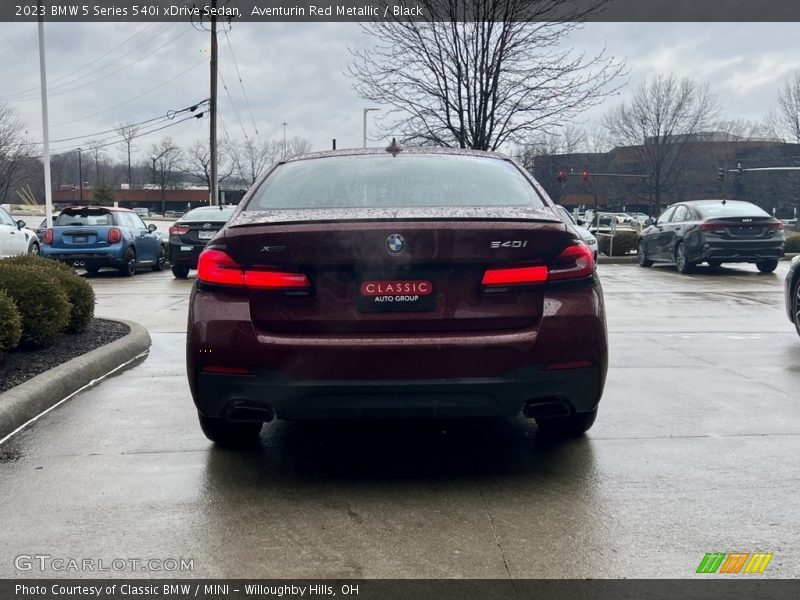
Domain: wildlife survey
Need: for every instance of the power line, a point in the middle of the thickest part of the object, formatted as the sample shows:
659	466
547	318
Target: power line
60	91
236	112
241	83
102	56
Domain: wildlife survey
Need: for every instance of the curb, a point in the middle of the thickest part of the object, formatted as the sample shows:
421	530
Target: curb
32	398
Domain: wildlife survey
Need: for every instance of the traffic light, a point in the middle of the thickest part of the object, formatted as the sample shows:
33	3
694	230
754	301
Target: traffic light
586	177
721	175
562	176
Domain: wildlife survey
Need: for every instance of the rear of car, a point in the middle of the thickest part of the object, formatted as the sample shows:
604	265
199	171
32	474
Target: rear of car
189	235
792	292
369	285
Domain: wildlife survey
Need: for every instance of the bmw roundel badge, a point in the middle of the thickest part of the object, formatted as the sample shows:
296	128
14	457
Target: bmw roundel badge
395	243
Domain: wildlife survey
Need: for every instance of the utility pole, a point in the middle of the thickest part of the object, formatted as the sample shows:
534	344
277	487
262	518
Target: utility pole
364	130
284	138
212	107
48	186
80	174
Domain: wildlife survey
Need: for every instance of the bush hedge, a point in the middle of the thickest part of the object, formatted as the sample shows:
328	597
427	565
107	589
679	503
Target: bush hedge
41	301
624	242
792	242
79	292
11	324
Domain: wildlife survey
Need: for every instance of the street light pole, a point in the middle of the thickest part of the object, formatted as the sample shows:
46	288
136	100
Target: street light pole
366	110
80	175
48	185
284	139
213	192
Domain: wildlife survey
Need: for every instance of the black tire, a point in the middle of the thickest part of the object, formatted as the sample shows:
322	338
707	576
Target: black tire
34	249
161	260
129	263
575	425
229	434
180	271
91	271
683	264
767	266
641	256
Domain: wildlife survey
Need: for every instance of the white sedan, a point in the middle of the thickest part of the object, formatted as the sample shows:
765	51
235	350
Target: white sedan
15	238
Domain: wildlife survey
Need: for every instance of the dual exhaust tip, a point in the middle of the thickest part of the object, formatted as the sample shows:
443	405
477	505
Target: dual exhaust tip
547	407
263	414
79	263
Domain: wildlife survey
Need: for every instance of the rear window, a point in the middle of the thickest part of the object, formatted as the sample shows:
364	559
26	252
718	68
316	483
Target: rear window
212	213
730	209
376	181
85	217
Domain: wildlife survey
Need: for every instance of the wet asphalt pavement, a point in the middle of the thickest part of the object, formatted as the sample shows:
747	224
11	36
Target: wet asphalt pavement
695	450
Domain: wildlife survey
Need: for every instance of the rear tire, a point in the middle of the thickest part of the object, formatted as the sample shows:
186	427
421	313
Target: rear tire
683	264
129	267
574	425
180	271
796	306
229	434
34	249
641	256
767	266
161	260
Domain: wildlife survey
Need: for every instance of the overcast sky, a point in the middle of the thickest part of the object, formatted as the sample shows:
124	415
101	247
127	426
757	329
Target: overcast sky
293	73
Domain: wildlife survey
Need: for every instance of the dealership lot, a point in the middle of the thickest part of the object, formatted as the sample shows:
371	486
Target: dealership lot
694	451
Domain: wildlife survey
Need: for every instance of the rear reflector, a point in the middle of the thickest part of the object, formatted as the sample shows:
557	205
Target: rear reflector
175	230
576	364
575	262
219	370
216	267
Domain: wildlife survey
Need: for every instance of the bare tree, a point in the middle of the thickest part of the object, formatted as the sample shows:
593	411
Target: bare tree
784	118
197	162
128	133
295	146
658	125
13	149
481	73
95	148
253	158
165	157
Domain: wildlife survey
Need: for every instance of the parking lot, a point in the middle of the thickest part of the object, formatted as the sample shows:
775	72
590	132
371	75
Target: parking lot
694	451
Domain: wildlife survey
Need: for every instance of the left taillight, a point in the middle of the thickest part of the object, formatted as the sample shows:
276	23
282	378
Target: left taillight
775	226
575	262
48	236
218	268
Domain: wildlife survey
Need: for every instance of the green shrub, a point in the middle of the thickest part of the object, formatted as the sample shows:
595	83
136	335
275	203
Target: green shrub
792	242
79	292
41	301
10	324
624	242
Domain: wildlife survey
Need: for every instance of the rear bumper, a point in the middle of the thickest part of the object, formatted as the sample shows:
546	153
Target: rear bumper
401	374
89	259
740	250
557	392
179	256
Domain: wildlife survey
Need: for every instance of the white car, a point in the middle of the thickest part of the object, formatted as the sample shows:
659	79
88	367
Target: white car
15	238
585	234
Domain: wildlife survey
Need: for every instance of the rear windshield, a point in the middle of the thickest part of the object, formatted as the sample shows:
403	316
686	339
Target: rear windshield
212	213
730	209
376	181
86	217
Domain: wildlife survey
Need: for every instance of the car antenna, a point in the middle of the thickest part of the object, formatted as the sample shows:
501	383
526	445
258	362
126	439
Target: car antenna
394	148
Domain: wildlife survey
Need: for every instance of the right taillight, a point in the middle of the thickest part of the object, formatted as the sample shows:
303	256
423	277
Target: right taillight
775	226
178	230
48	236
218	268
574	262
114	235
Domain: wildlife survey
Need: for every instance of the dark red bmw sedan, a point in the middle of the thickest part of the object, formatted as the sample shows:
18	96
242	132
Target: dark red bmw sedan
401	283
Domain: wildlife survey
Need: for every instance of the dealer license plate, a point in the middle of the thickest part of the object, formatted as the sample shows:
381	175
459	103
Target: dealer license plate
396	295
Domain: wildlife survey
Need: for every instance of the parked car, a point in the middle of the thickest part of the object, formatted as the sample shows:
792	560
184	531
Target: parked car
402	283
715	232
142	212
93	237
15	237
584	233
191	233
792	292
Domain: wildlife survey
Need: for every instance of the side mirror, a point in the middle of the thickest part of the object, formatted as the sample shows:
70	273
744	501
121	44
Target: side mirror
152	227
20	224
649	222
580	222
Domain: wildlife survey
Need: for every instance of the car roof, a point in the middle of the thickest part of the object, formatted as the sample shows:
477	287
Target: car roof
417	150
